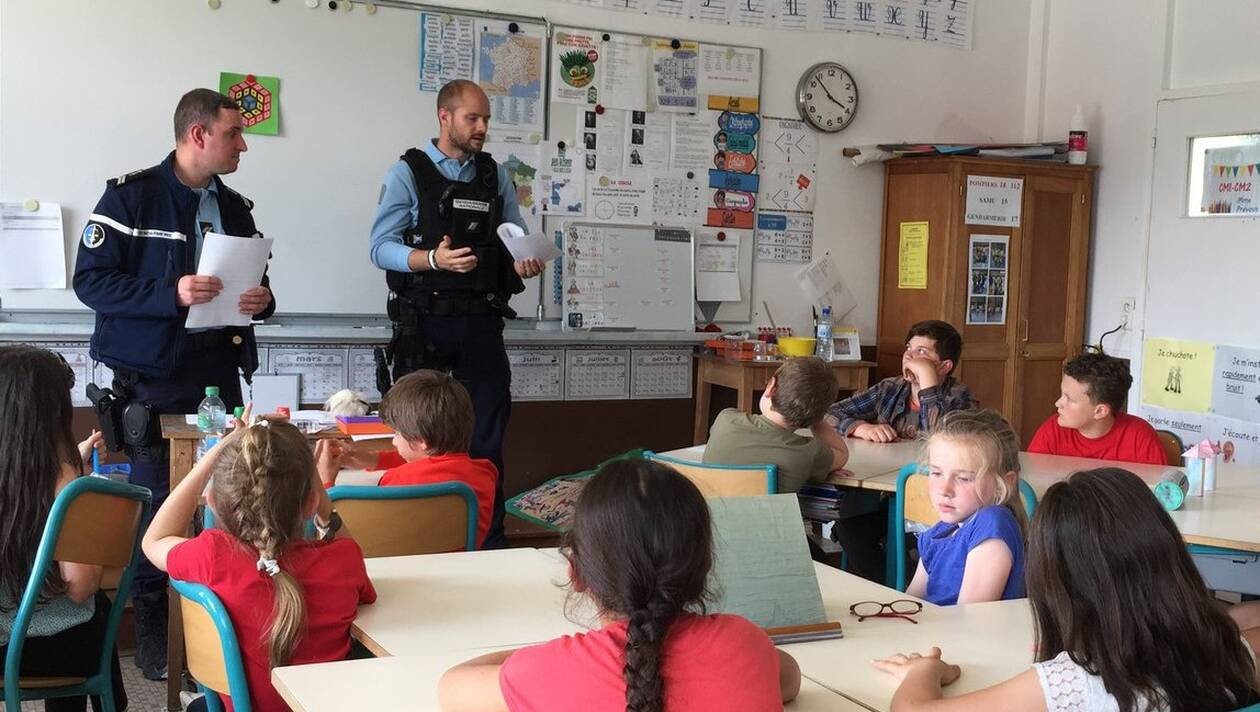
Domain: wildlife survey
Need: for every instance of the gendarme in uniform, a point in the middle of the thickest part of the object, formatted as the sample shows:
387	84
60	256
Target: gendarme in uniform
444	320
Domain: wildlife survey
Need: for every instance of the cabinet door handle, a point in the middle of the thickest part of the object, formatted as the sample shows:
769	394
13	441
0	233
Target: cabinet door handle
1023	326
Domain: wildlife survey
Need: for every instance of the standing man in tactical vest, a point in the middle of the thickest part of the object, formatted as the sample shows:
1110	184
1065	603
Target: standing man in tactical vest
449	274
137	270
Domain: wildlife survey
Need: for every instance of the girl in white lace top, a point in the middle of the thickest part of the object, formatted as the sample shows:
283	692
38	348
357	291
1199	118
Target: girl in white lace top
1124	622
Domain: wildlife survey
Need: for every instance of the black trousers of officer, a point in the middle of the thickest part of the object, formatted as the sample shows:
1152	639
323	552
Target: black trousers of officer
471	349
179	394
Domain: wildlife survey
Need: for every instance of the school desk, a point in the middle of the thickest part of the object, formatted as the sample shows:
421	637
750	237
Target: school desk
991	641
748	377
501	597
867	460
410	683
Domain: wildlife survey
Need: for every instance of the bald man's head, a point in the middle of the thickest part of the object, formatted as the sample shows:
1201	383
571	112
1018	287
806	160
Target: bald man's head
463	115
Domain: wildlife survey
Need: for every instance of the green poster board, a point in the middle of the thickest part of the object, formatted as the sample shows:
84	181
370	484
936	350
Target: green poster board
259	98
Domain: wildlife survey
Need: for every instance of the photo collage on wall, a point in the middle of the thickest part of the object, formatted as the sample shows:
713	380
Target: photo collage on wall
987	284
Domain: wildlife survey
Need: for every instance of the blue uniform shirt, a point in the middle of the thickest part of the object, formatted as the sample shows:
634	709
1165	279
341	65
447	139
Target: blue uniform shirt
943	550
399	207
207	216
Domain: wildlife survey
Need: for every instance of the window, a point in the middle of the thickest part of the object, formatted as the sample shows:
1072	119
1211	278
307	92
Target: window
1224	176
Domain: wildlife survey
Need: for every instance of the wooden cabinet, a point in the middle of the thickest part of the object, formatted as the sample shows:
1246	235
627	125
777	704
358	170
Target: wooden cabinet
1013	366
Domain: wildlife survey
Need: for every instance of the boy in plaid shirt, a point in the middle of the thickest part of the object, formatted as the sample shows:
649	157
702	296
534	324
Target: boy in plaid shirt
905	406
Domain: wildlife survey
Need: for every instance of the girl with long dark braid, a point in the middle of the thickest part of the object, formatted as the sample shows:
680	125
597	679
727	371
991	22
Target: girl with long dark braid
641	547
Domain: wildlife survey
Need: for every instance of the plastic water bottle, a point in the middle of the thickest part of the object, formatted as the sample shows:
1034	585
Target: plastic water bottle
823	346
211	420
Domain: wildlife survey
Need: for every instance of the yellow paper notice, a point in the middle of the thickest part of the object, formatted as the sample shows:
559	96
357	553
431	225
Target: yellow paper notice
1178	374
912	256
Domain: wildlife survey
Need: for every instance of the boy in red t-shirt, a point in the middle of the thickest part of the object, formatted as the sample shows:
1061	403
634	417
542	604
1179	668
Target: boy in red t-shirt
432	417
1091	421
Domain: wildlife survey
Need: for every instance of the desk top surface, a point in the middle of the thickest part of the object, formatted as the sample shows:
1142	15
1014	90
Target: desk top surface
410	682
866	459
775	363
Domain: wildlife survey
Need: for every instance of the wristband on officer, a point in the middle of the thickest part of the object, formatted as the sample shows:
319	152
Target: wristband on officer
433	265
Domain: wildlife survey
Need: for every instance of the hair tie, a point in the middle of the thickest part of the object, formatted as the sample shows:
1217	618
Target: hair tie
271	566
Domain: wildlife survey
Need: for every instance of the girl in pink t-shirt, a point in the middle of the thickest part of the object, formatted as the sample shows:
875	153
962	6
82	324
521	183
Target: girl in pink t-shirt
641	547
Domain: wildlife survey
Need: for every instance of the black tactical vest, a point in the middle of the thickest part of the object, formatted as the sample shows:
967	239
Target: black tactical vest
470	213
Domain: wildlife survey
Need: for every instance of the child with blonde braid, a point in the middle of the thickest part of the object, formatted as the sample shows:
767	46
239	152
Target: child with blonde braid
641	547
291	601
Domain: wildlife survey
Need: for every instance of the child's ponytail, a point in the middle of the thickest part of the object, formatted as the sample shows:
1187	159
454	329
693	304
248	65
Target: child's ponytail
267	485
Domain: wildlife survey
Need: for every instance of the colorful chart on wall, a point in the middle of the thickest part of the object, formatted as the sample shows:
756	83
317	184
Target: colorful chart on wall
259	99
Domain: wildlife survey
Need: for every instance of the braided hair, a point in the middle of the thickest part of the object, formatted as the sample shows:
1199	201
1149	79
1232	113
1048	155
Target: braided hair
260	494
642	547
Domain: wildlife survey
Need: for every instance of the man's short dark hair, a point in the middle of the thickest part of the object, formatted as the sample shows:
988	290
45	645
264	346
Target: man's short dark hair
948	341
200	106
450	94
1106	379
431	406
803	389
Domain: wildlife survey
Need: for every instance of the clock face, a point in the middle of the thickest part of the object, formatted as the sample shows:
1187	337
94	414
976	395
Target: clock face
827	96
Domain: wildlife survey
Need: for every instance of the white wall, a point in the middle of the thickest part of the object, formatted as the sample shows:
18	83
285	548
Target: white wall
909	91
1119	58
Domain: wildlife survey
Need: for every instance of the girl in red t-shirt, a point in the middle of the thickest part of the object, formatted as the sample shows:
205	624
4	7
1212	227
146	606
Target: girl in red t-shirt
291	601
641	547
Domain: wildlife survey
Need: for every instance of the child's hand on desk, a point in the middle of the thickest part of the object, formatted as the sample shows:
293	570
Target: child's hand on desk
875	432
329	454
902	666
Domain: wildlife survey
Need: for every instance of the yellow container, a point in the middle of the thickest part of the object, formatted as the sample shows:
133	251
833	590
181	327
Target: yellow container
796	345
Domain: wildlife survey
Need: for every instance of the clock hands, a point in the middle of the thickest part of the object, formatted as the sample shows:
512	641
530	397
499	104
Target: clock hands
829	96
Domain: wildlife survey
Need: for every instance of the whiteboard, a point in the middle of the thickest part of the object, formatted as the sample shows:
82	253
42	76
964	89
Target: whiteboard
89	89
628	277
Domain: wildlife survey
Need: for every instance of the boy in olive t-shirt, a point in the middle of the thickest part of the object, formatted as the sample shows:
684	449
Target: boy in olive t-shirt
796	397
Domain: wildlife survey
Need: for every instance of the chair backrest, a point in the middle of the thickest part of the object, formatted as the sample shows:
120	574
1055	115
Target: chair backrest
1173	447
412	519
913	503
724	480
93	520
210	646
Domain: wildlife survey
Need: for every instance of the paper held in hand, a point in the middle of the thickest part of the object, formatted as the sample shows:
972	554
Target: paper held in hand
239	262
523	247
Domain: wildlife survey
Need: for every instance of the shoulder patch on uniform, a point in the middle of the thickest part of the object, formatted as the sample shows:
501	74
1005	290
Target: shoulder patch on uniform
248	203
132	176
93	236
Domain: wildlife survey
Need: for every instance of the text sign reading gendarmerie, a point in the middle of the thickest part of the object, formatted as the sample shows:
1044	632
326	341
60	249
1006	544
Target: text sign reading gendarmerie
993	200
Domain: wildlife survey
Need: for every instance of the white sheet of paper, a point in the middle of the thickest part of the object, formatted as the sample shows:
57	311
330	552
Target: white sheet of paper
674	76
32	247
239	262
521	161
537	245
729	71
717	266
647	142
603	138
563	181
691	141
620	199
821	280
623	82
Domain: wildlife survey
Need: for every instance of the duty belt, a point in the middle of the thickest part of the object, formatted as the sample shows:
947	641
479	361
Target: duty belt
455	303
211	340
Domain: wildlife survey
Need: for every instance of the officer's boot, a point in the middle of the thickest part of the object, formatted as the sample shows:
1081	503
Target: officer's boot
150	610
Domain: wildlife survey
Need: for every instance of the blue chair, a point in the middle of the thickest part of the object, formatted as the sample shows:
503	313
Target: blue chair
211	650
412	519
912	502
95	521
724	480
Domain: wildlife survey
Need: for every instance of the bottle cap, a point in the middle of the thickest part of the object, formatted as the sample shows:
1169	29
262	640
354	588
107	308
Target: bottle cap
212	391
238	412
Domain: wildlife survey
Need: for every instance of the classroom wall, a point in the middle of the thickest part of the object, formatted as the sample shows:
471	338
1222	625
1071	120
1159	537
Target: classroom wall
1118	59
909	91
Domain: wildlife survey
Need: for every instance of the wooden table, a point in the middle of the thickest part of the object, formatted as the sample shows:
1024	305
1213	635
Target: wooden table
747	377
182	438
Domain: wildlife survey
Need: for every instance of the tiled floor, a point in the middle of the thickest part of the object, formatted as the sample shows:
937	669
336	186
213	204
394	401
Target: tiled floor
143	695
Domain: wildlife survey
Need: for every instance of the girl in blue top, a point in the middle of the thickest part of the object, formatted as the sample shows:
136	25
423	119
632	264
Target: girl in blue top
976	551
